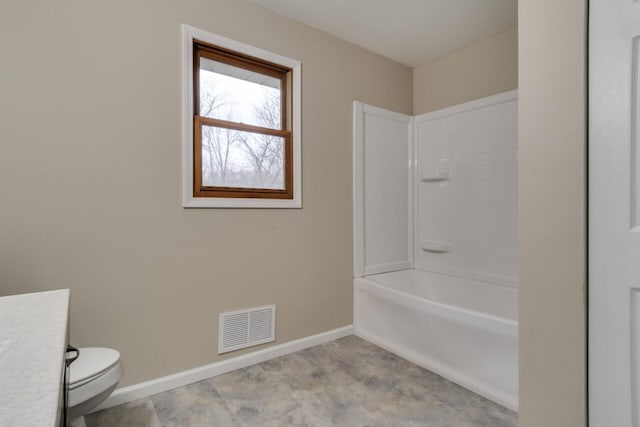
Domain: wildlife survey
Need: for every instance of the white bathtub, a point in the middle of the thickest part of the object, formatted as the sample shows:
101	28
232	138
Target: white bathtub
463	330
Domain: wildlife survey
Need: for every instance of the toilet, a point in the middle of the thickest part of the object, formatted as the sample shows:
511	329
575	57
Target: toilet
92	378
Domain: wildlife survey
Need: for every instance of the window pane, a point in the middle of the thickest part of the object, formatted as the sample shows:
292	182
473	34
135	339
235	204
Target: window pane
239	95
233	158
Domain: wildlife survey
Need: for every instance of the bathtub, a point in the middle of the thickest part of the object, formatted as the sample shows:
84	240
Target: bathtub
461	329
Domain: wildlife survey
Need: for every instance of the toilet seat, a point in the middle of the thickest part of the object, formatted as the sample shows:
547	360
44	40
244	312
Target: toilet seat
92	363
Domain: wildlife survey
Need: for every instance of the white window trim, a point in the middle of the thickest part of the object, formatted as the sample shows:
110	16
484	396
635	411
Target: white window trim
189	34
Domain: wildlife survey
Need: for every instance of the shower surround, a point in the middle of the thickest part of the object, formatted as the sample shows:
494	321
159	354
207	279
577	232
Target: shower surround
435	240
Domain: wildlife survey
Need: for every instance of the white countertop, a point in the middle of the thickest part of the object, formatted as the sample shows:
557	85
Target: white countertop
33	334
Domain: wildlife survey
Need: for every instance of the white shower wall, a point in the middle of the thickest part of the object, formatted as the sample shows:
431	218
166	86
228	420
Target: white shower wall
474	212
383	188
444	181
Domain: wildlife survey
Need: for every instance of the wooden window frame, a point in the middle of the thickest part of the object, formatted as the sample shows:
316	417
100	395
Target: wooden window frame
199	44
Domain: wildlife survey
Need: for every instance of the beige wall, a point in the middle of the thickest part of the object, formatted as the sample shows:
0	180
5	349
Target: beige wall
485	68
90	158
90	181
552	207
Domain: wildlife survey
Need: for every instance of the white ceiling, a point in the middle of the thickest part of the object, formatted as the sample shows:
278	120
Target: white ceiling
409	31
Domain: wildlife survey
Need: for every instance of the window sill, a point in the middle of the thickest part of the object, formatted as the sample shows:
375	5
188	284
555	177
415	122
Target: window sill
210	202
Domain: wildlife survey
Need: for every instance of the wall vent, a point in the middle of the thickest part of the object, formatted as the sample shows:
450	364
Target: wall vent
246	328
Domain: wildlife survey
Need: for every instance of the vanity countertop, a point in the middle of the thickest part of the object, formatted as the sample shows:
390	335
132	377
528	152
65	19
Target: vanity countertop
33	336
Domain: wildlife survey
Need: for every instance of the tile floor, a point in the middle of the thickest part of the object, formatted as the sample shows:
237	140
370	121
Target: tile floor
348	382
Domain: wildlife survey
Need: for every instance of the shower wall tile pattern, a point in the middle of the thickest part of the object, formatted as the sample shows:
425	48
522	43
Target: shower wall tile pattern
476	210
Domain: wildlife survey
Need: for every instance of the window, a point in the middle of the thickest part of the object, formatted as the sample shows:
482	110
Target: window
242	125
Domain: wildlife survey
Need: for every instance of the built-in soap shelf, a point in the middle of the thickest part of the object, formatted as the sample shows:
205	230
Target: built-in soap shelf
437	176
435	246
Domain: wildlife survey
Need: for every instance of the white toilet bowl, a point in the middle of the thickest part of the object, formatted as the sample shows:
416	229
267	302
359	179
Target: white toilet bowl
92	378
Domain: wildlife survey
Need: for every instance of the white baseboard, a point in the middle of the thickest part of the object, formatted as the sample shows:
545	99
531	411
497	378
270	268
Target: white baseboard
159	385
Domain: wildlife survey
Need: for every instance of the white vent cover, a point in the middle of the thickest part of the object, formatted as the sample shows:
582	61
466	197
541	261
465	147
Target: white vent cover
246	328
